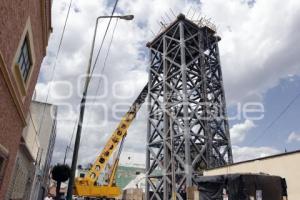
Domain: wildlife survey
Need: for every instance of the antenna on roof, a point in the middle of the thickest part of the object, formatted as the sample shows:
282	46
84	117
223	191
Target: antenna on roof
152	32
168	17
193	14
163	25
188	11
172	12
163	19
199	16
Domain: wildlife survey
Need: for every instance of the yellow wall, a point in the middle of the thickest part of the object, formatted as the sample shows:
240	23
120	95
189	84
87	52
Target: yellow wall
287	166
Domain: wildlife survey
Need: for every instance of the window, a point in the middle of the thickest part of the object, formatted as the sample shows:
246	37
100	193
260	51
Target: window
3	161
2	165
25	61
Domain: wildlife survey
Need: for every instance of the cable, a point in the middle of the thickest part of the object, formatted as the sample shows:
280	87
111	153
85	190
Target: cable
54	66
73	132
69	146
101	45
102	42
264	132
102	70
34	127
98	53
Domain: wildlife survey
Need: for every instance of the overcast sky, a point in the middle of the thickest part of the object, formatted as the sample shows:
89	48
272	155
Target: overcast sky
259	56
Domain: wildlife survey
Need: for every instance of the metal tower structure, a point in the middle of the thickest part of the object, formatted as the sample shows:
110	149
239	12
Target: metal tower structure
187	125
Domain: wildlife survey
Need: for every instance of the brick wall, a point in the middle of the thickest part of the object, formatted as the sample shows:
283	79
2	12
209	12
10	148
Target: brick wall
22	178
10	127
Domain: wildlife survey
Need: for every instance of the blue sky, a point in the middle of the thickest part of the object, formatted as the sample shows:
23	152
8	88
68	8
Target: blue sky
275	101
280	121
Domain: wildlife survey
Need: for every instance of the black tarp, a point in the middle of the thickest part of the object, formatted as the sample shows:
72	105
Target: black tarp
241	187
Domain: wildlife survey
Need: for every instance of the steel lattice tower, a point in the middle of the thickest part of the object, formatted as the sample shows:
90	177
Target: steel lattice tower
187	125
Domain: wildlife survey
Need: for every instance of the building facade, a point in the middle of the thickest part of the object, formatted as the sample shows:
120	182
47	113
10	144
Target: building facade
25	27
45	116
32	167
285	165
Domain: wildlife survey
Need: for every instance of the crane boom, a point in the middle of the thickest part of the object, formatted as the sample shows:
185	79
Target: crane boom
87	186
111	179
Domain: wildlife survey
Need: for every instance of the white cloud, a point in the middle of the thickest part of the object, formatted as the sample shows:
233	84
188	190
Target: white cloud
258	48
238	132
127	63
293	137
248	153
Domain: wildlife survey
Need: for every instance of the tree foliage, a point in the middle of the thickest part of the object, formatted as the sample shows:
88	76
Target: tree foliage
61	172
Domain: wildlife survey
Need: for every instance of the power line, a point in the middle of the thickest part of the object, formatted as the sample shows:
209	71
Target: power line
34	127
69	146
73	131
54	66
100	48
33	124
81	117
264	132
102	42
103	68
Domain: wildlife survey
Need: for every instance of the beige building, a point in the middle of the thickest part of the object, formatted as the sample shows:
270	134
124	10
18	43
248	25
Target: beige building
27	157
285	165
44	117
30	176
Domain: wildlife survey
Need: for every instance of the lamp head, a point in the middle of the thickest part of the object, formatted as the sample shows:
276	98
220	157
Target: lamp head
127	17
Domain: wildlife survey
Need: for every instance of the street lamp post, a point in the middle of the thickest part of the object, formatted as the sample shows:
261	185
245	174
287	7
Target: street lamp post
82	106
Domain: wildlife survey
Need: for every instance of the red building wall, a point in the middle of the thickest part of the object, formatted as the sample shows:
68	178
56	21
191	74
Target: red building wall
13	107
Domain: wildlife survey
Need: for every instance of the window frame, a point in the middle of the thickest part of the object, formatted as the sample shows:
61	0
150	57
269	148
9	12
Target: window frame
4	154
26	56
23	82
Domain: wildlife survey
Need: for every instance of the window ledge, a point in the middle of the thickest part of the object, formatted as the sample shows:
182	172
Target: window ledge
12	89
20	82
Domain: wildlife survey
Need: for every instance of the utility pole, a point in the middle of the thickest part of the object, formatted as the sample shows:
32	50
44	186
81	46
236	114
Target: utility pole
82	106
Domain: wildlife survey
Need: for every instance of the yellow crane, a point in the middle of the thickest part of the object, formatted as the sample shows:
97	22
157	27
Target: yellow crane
87	186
